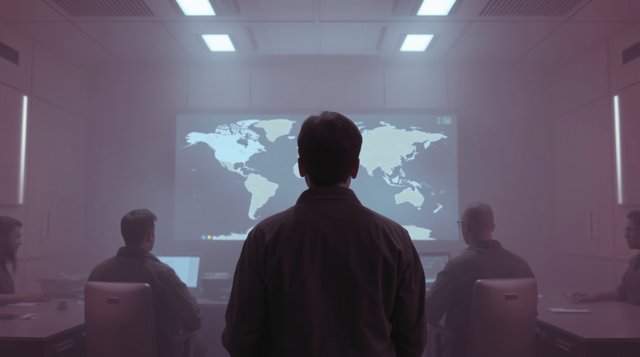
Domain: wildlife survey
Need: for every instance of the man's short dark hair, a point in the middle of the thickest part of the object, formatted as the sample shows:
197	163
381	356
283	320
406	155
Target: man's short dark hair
328	146
136	224
634	216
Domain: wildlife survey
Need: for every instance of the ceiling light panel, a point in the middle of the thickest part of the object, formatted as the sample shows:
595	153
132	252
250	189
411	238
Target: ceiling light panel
219	43
196	7
416	43
436	7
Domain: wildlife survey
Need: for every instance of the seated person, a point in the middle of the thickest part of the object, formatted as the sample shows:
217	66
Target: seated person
485	258
10	241
175	310
629	288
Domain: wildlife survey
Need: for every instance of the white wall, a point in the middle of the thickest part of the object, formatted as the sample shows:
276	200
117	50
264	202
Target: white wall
116	129
589	224
504	133
54	208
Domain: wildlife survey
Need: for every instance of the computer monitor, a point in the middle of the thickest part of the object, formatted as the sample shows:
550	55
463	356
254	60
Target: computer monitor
433	263
186	267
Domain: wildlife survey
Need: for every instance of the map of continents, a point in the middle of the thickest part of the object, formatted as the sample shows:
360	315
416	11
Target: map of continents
385	151
234	144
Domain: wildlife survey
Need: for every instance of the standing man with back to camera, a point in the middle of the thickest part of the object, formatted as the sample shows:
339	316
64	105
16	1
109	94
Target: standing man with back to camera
327	277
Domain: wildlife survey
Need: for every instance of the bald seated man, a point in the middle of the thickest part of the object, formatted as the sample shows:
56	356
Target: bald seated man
484	258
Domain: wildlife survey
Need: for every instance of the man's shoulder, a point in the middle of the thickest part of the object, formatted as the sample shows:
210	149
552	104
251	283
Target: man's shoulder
515	257
271	223
385	221
360	211
103	266
277	218
474	255
461	261
361	216
149	265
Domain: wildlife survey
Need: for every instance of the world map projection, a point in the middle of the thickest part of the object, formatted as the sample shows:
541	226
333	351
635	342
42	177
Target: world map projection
234	170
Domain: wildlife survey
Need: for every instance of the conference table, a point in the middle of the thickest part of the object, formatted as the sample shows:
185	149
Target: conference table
603	329
46	329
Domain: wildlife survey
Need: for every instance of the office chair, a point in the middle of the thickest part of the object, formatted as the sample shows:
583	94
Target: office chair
119	322
503	315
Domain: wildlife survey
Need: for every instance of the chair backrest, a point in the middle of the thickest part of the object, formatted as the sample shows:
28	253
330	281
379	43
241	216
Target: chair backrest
503	314
119	320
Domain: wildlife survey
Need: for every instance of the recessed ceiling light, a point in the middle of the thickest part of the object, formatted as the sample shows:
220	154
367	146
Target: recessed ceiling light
219	43
435	7
416	43
196	7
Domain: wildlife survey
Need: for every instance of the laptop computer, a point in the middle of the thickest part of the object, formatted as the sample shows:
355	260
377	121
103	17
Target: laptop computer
433	263
187	267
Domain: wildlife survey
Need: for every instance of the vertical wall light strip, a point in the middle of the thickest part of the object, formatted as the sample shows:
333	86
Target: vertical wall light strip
23	148
616	118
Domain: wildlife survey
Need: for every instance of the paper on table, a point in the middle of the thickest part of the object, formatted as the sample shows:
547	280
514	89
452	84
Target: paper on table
565	310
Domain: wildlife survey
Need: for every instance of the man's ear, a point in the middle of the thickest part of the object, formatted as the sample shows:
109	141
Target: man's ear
301	170
354	169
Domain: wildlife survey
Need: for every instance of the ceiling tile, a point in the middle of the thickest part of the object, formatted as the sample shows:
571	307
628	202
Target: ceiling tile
65	39
608	10
285	38
350	37
27	10
276	10
130	40
342	10
500	40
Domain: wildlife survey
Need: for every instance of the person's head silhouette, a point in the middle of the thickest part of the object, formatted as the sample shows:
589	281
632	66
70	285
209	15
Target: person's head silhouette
328	150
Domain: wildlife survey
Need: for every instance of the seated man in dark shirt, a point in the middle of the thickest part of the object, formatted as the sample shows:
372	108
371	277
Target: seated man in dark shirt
485	258
175	310
629	288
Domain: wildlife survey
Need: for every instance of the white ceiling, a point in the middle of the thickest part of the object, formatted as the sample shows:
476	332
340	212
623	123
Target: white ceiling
316	27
